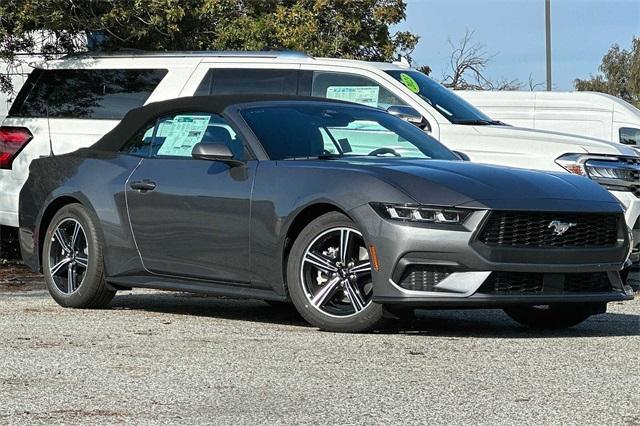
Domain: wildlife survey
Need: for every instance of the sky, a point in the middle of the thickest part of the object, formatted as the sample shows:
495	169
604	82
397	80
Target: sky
513	30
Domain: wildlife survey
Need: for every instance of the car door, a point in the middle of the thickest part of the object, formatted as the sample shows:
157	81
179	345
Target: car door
190	217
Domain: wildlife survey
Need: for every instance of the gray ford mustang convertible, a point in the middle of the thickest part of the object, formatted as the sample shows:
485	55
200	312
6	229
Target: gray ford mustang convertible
348	212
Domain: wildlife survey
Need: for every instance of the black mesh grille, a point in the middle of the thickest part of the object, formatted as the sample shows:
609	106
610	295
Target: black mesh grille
526	229
507	282
423	277
536	283
587	283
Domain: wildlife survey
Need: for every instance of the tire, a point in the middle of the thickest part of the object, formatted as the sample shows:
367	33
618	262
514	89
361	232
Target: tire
553	317
87	287
624	275
345	304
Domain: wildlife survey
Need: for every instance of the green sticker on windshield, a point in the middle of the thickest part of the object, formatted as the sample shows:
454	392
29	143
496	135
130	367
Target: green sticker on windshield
408	81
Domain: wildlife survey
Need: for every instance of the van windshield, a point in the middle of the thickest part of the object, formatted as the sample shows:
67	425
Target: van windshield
451	106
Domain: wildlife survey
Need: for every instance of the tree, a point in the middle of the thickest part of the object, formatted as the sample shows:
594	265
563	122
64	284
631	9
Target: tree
358	29
620	74
533	85
468	63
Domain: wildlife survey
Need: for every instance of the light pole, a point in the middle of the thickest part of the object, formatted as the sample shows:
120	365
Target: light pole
547	16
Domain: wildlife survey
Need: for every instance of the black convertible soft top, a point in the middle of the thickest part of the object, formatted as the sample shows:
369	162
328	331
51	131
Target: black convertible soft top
139	117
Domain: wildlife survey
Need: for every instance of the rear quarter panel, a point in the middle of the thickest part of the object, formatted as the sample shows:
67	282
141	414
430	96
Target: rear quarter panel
98	183
70	134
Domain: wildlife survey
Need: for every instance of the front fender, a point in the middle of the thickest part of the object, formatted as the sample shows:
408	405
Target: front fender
274	211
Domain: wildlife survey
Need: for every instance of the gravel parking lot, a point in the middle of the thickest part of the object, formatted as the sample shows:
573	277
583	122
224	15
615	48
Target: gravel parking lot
158	357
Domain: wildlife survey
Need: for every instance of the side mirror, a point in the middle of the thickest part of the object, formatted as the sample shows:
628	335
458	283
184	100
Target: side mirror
215	152
462	156
409	115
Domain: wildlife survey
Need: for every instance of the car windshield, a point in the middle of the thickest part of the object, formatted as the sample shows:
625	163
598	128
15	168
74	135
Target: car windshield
453	107
319	130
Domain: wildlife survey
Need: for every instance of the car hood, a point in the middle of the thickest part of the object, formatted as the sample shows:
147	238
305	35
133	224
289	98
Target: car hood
465	184
536	137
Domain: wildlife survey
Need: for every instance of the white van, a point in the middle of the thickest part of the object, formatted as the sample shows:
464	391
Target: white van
70	103
596	115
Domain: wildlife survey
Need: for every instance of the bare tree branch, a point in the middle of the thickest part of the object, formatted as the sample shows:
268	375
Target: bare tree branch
533	86
468	63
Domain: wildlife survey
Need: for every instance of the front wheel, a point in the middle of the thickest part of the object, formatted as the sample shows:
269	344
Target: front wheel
329	276
552	317
624	275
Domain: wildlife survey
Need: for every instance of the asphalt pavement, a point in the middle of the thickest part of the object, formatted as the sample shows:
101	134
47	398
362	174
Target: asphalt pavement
170	358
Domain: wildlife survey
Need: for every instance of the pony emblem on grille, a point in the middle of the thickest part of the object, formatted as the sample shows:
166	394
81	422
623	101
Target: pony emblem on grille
560	228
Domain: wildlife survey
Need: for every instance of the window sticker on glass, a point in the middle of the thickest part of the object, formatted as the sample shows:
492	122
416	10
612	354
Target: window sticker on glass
148	134
365	95
181	134
410	83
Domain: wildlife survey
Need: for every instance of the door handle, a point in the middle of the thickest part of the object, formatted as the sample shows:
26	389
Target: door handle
143	185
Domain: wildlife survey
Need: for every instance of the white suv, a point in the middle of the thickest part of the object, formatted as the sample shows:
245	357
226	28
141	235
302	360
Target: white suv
70	103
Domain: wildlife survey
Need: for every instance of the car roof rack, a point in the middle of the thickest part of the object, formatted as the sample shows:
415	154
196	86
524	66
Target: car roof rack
130	53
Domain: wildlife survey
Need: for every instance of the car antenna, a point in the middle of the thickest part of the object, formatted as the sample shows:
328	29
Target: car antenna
49	131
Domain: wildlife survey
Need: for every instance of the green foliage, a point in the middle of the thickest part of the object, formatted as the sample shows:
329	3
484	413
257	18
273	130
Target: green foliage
620	76
358	29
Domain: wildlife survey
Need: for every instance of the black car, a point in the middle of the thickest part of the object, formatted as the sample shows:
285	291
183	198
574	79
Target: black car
347	211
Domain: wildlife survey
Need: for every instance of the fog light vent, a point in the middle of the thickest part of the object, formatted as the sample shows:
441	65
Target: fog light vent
423	277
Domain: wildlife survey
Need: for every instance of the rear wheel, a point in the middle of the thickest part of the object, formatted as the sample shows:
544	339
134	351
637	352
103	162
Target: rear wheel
553	316
329	276
72	260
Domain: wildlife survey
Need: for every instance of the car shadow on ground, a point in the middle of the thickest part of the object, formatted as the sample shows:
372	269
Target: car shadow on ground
209	306
439	323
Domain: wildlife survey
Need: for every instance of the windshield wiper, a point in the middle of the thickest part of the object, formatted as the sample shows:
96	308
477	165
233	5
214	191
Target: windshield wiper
330	156
480	122
339	156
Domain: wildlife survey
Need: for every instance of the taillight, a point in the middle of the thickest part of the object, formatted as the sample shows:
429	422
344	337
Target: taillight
12	141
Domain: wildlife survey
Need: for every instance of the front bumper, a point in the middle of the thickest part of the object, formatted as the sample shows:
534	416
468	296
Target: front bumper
469	265
632	216
499	301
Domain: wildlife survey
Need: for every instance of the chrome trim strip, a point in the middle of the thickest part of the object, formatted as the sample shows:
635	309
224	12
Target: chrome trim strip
458	284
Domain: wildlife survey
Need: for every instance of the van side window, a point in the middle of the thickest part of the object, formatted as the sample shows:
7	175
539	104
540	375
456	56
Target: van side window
140	144
630	136
176	135
225	81
87	93
352	88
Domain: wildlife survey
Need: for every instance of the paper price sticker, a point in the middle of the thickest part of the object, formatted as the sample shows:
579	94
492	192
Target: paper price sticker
182	134
365	95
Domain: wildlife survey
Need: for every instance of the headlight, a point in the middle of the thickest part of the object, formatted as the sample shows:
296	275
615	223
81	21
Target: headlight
421	214
609	170
572	163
